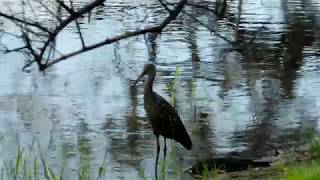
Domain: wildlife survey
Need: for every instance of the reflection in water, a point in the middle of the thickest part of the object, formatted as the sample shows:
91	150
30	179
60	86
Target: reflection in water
133	126
84	148
263	97
299	36
259	136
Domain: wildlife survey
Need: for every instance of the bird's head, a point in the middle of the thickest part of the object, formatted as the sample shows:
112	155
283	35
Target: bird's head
148	69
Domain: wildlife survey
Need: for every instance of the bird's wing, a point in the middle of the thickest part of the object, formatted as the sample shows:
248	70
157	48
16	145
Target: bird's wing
167	110
170	124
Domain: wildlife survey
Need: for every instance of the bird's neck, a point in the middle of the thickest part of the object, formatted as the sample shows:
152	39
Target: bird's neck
148	84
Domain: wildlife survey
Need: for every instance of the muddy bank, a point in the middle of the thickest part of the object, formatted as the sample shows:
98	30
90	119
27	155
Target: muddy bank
272	167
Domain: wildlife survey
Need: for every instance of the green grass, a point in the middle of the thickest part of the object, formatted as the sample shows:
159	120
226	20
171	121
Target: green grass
205	172
305	171
314	143
30	163
102	170
291	165
142	174
310	169
26	166
314	148
171	86
210	173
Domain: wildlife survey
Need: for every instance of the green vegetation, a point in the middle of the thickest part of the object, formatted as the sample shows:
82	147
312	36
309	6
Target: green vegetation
305	171
314	148
31	164
171	86
309	169
102	170
301	165
141	173
206	173
289	165
195	127
20	168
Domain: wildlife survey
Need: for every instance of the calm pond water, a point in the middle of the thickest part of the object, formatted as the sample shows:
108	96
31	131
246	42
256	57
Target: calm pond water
250	102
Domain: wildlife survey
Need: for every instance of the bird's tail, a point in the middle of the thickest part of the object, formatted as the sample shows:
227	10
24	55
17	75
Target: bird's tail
184	138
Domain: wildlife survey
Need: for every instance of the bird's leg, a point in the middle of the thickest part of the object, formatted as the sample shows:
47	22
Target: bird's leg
164	156
158	151
165	149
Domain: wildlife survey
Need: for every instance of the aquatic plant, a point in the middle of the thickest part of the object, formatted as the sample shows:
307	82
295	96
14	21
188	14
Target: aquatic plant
141	173
102	170
25	165
212	173
205	172
30	163
162	167
172	84
195	127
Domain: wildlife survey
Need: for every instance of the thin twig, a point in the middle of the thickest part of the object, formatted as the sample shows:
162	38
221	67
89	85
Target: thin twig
29	23
28	32
156	29
32	9
66	22
209	28
15	49
78	27
49	10
10	33
106	41
67	8
164	4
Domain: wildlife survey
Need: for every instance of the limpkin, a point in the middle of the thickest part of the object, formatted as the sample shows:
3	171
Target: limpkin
163	117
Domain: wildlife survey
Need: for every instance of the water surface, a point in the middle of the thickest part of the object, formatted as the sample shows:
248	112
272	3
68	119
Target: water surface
249	102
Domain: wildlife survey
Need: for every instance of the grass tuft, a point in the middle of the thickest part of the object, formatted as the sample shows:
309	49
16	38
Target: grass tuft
314	148
171	86
31	163
305	171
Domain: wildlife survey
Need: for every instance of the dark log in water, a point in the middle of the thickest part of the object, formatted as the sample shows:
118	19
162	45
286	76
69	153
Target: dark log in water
227	164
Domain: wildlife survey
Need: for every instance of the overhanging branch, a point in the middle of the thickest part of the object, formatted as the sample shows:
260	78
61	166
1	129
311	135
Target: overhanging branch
125	35
31	29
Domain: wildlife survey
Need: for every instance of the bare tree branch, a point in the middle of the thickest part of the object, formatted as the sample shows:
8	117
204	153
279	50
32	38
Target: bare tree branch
62	4
34	30
15	49
10	33
78	27
40	41
164	4
66	22
49	10
157	29
29	23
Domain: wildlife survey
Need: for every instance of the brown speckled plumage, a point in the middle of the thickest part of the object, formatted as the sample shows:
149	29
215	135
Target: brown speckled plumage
164	119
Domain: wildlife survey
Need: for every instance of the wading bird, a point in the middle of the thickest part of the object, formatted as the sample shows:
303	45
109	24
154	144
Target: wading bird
164	119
